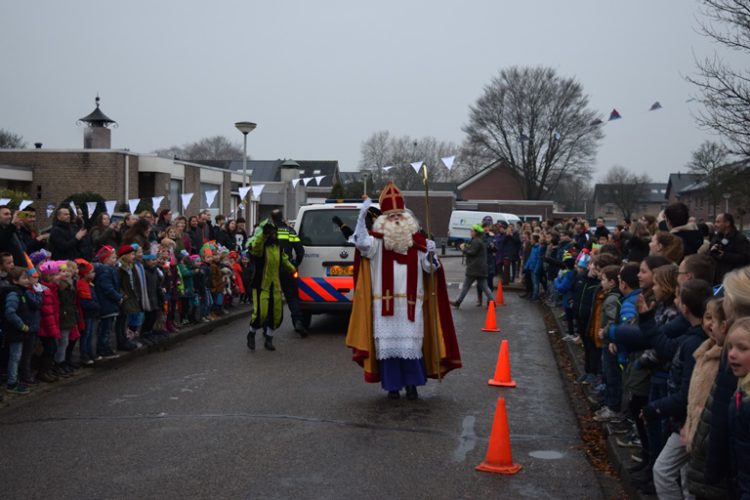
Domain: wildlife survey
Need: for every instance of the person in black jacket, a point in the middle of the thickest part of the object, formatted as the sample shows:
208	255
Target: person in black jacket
674	457
25	222
677	217
65	238
9	240
729	248
511	252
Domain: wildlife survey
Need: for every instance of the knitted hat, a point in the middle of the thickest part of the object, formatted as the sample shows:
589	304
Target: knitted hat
478	228
149	256
125	249
84	267
49	267
104	253
195	258
40	256
567	256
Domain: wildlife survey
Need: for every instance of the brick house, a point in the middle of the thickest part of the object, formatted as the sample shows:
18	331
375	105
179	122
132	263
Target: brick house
497	188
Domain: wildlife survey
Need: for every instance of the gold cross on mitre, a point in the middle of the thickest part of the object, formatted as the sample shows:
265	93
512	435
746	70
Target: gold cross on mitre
389	198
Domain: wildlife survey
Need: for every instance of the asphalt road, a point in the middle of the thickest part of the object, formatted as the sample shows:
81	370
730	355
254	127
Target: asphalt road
208	418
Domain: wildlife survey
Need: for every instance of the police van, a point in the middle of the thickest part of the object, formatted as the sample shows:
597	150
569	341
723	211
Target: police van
326	275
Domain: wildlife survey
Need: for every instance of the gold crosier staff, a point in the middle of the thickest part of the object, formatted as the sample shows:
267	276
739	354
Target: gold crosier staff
433	285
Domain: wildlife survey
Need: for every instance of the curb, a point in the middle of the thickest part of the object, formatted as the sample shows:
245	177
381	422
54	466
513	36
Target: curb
185	333
618	457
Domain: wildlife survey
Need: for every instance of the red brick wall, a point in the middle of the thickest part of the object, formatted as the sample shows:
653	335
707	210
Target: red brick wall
60	174
192	184
441	207
499	184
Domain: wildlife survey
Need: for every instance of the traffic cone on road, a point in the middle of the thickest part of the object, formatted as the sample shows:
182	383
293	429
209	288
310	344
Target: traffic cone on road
499	457
502	376
490	323
499	295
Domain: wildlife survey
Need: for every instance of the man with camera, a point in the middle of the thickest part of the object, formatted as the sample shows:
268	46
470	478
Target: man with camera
729	247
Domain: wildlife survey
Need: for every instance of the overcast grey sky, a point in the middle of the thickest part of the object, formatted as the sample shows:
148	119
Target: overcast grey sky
320	77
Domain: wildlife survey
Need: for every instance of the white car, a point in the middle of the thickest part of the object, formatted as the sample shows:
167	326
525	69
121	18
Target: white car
326	274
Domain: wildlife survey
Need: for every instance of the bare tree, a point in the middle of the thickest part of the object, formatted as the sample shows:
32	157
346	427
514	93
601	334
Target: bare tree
209	148
625	189
382	150
538	124
9	140
573	192
725	91
709	162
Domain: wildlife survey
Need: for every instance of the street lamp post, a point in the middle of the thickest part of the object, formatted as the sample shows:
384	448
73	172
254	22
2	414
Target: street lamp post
245	128
726	202
364	178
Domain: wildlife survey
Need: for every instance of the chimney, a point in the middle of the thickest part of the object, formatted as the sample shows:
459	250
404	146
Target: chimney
38	145
97	134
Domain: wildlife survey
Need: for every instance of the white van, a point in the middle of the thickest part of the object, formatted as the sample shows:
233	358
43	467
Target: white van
326	274
462	220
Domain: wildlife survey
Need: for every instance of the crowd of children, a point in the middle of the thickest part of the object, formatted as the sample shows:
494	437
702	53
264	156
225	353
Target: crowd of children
60	315
661	309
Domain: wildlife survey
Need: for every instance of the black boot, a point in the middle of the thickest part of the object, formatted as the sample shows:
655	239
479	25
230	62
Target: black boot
299	327
268	344
251	340
393	395
411	392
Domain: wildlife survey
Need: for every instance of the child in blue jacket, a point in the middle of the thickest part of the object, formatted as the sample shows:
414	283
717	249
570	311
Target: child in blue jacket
533	266
564	286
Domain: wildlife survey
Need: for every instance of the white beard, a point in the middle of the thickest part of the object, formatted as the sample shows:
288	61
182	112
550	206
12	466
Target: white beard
397	235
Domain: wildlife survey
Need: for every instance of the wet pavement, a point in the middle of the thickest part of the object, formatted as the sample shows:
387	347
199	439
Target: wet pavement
208	418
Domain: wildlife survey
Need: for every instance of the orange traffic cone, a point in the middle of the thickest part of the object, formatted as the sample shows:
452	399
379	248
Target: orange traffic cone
502	369
499	457
490	324
499	295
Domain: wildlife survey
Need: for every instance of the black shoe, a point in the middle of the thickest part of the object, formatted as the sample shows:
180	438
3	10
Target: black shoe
30	381
411	392
456	304
268	344
393	395
646	488
299	327
637	467
645	475
127	346
251	340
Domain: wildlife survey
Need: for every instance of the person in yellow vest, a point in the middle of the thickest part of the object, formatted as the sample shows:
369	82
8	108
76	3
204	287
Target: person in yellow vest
269	262
291	245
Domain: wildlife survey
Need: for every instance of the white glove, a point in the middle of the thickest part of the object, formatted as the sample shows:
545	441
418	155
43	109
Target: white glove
363	209
431	246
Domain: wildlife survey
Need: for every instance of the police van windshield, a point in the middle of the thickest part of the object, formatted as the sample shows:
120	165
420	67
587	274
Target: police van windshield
317	228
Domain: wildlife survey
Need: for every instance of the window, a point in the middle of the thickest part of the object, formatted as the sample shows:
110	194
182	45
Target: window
175	200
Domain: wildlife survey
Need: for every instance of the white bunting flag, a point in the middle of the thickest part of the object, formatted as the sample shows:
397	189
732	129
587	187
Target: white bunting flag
211	196
307	180
133	204
156	202
257	190
90	208
448	161
417	165
49	212
4	201
186	197
243	192
241	206
24	204
319	179
73	208
110	206
386	169
295	182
